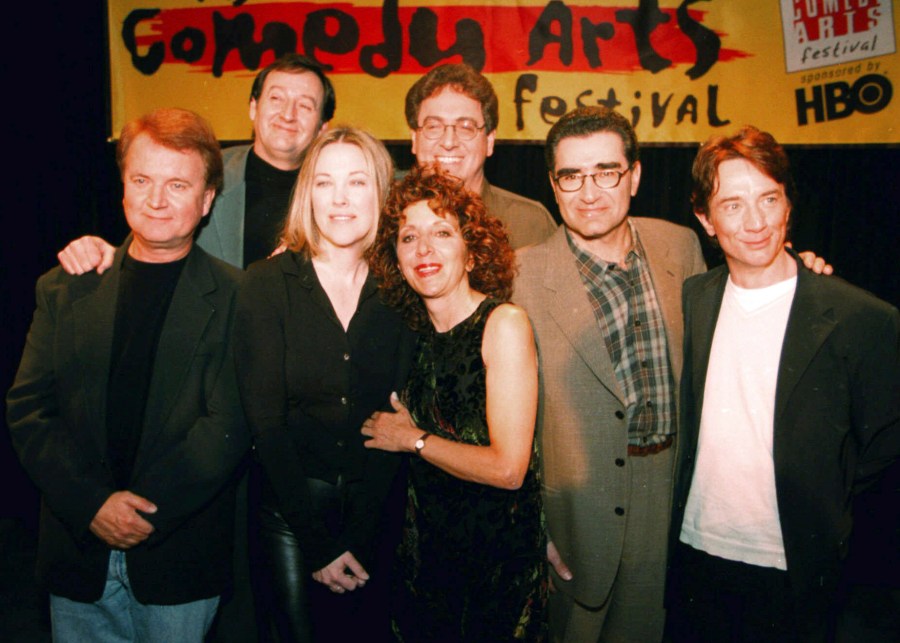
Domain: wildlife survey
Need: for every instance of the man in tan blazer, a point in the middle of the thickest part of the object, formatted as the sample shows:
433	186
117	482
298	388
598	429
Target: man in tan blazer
604	296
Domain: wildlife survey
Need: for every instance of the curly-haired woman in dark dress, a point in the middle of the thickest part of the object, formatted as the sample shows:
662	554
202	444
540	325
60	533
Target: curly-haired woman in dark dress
472	561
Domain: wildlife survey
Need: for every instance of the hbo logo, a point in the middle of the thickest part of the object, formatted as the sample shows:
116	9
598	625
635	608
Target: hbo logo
869	94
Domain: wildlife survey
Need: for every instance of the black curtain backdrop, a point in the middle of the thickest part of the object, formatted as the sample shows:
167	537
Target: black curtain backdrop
61	182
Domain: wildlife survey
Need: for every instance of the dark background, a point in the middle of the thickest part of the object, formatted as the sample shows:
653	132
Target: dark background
61	182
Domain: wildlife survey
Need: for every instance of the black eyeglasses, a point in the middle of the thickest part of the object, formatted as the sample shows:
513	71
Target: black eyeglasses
465	129
605	179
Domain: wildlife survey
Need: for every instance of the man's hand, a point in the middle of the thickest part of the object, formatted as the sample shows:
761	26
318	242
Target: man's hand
817	264
86	254
118	522
557	563
342	574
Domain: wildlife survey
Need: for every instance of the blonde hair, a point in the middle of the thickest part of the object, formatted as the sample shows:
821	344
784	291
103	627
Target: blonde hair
300	233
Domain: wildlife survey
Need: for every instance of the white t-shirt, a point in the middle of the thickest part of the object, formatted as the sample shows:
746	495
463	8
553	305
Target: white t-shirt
732	508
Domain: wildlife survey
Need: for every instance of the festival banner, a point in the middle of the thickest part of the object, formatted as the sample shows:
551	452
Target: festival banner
809	71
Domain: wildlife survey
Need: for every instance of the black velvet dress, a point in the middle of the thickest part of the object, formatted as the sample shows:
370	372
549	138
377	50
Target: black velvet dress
472	563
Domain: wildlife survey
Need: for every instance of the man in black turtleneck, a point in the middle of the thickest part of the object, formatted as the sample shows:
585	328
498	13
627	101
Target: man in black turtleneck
125	410
291	101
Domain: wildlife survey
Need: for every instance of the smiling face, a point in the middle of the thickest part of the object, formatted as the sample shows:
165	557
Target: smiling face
286	117
344	198
748	215
165	197
463	159
596	217
432	254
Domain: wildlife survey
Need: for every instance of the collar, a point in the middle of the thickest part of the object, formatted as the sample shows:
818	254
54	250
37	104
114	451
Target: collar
301	266
635	253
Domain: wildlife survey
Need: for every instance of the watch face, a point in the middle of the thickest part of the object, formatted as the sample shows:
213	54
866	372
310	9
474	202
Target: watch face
419	444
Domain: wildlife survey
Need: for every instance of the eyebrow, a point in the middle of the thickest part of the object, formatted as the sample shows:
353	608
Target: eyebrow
729	199
133	175
450	120
363	172
270	88
444	221
612	165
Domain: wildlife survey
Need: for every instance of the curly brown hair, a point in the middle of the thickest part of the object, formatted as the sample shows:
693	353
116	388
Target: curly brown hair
486	239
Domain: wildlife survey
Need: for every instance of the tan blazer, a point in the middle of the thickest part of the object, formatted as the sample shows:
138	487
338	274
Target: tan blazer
581	425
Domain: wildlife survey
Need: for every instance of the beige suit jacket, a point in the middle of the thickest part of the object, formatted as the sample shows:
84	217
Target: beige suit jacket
581	427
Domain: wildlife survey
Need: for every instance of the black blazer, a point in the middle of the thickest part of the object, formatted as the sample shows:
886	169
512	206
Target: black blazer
193	438
837	411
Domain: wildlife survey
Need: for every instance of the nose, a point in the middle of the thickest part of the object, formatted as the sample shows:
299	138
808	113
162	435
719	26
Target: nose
157	198
289	111
423	247
589	190
754	219
449	139
339	196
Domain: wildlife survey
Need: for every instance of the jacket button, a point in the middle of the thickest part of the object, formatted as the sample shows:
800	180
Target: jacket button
346	357
620	414
340	443
620	462
344	401
620	511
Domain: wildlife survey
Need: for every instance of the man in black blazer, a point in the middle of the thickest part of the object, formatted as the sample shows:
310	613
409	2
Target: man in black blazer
790	403
125	411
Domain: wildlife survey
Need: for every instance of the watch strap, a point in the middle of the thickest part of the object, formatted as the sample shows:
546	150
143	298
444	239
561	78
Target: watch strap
420	443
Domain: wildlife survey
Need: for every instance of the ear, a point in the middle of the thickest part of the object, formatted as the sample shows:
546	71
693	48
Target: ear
706	223
252	109
323	127
635	178
490	142
554	186
412	138
208	197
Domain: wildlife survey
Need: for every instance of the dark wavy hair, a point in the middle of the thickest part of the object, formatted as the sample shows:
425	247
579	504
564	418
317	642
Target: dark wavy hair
486	239
299	64
458	77
759	148
591	119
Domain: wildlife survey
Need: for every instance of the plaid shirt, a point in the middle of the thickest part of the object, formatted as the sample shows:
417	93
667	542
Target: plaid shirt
630	321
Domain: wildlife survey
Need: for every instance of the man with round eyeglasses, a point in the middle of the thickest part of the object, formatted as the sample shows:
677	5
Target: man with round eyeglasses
452	114
603	294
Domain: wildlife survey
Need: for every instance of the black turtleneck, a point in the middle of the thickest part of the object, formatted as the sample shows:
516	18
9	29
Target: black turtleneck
268	196
145	291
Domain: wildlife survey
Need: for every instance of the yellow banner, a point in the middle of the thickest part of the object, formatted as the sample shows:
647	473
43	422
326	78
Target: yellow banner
809	71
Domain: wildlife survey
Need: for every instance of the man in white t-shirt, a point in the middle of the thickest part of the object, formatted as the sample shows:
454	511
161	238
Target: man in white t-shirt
790	404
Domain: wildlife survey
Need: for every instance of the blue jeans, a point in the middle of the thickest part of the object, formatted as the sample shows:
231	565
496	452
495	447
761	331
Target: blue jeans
118	616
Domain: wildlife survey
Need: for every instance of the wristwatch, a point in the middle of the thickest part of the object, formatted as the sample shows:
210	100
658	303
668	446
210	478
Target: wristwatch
420	443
